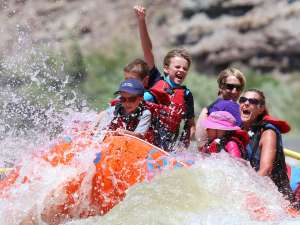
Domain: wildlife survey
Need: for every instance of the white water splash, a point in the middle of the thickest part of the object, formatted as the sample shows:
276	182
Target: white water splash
213	191
35	97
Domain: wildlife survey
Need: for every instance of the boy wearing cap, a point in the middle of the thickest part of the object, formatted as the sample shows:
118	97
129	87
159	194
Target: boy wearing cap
137	69
130	115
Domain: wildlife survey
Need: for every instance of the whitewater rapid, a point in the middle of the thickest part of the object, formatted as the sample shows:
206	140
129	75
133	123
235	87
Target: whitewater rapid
213	191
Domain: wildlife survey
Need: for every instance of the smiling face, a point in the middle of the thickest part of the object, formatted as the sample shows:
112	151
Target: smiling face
251	107
130	102
177	69
231	88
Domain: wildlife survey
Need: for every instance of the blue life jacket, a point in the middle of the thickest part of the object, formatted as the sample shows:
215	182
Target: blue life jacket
279	171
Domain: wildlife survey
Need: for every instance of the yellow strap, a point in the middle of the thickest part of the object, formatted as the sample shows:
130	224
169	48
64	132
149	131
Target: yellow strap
4	170
292	154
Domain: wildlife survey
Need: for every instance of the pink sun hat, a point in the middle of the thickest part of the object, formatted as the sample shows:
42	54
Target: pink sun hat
220	120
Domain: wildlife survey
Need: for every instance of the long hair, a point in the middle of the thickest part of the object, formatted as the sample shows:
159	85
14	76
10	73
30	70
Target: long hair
262	102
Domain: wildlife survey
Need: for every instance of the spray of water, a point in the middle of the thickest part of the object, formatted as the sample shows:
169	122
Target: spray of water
35	97
215	190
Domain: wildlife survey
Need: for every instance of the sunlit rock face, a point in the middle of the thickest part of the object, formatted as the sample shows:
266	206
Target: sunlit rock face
260	34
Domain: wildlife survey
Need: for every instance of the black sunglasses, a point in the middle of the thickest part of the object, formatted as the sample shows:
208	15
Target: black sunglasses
129	99
232	86
252	101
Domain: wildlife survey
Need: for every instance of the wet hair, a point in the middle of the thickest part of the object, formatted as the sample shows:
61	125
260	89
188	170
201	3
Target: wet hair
224	74
262	99
139	67
260	93
179	52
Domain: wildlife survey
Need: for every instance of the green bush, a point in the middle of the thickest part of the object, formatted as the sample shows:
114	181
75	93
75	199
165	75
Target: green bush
104	74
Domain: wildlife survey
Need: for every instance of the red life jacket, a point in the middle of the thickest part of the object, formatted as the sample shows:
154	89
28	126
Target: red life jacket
212	147
123	122
164	94
130	122
167	116
240	137
282	125
114	101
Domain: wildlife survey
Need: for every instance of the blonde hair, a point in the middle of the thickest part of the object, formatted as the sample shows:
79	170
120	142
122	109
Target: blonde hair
179	52
231	72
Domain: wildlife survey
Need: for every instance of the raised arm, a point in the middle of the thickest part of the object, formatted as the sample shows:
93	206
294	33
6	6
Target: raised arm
146	43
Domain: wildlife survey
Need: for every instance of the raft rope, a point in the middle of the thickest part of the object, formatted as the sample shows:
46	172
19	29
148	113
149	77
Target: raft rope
4	169
287	152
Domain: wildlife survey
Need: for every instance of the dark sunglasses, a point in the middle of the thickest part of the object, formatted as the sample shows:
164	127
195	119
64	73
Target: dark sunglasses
129	99
232	86
252	101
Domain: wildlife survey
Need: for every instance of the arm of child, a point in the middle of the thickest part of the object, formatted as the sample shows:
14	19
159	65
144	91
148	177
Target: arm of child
233	149
200	134
140	13
121	132
192	126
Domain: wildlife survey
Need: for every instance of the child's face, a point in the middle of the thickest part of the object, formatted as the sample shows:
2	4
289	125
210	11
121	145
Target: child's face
214	133
132	75
130	102
177	70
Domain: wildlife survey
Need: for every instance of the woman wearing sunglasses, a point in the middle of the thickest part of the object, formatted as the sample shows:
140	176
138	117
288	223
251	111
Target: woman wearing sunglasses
231	83
265	150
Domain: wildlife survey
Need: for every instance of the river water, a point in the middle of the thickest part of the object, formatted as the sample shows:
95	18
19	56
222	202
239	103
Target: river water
216	190
213	191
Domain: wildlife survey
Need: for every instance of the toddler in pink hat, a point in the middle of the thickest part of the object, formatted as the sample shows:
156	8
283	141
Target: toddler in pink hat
224	134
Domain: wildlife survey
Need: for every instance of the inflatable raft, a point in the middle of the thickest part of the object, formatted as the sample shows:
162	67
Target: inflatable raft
119	162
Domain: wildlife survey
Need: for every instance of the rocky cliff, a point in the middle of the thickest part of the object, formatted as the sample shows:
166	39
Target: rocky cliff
260	34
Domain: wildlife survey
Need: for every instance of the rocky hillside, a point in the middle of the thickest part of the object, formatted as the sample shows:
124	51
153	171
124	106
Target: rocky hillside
260	34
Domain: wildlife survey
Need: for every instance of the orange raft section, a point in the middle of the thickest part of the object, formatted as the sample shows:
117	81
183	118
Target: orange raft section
121	162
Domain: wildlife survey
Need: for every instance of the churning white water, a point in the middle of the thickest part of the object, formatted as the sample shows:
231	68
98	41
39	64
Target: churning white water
35	97
214	191
37	105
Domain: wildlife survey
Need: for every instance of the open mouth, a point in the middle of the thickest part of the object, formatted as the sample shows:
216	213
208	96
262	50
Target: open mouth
179	76
246	112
